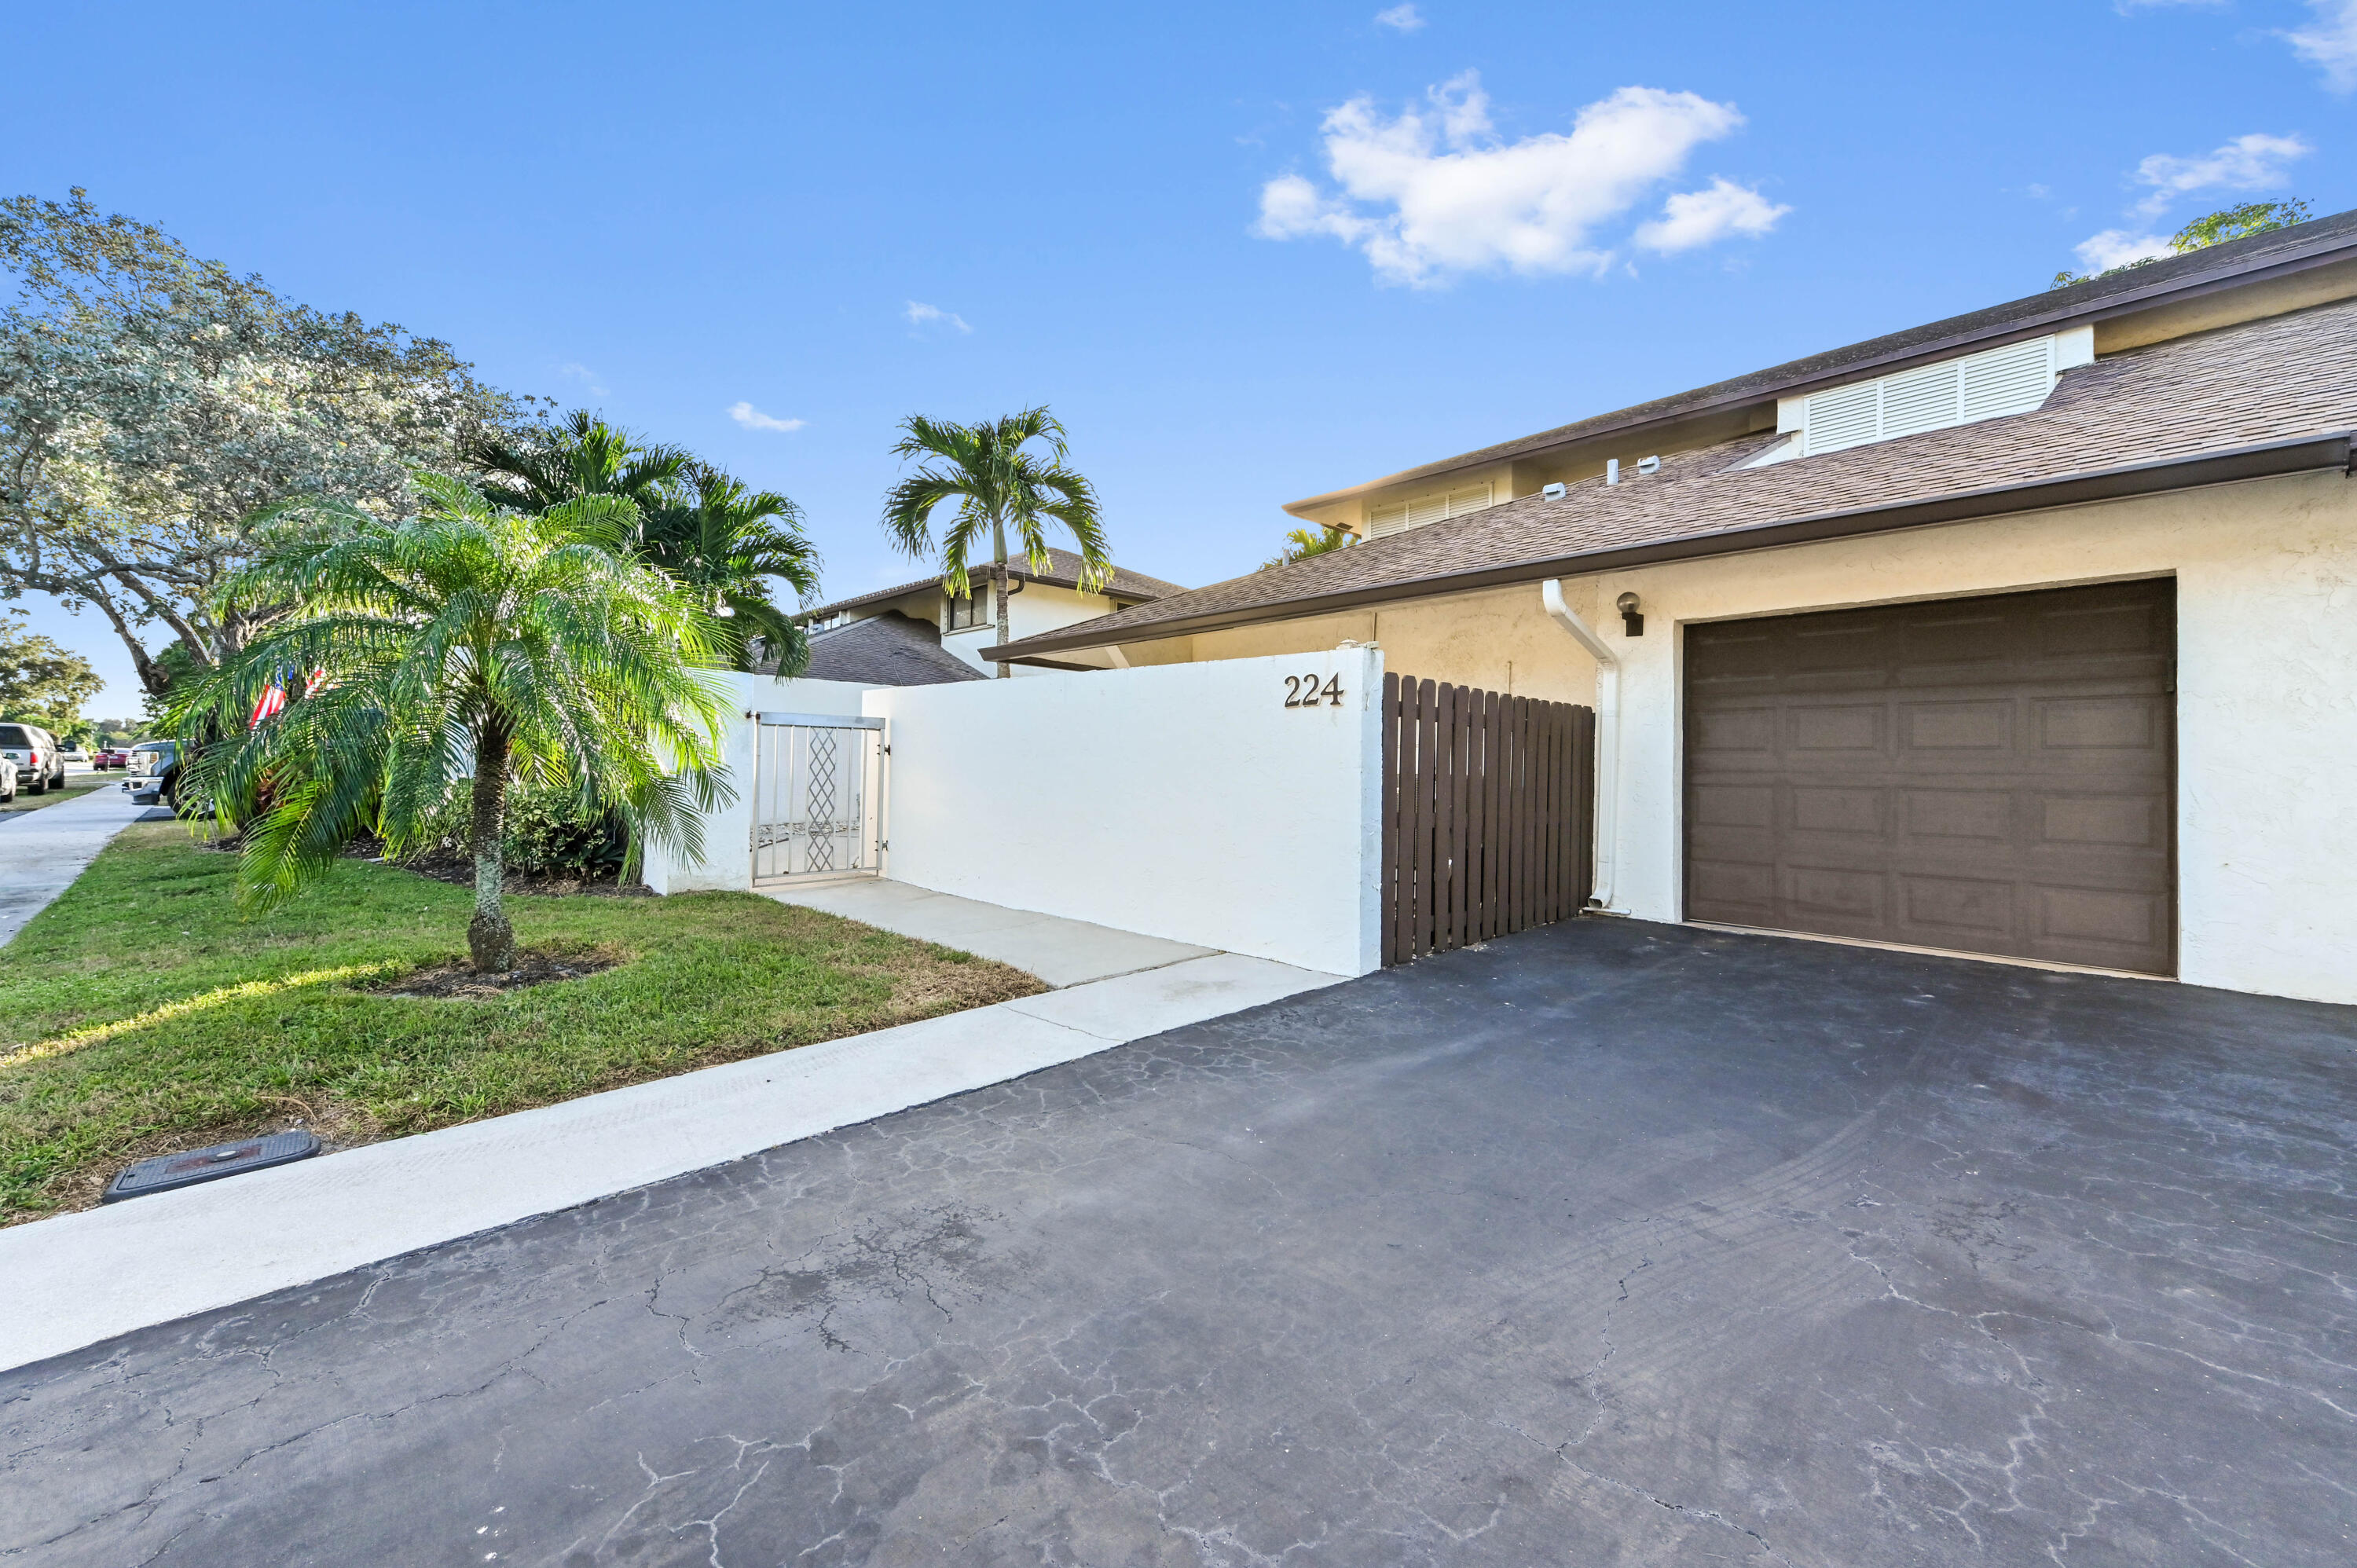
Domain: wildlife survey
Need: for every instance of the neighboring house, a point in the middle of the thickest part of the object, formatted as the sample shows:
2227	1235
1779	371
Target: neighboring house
887	649
2030	633
1037	604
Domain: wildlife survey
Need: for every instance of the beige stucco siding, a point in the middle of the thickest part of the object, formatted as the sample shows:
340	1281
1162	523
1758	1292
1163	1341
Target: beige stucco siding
1499	639
2266	575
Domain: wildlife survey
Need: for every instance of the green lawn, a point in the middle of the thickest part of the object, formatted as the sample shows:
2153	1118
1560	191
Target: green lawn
141	1013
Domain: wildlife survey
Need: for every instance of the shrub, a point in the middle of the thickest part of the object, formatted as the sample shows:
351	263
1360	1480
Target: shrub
547	833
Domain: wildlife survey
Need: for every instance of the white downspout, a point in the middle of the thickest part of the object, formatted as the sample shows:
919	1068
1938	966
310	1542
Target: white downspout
1608	739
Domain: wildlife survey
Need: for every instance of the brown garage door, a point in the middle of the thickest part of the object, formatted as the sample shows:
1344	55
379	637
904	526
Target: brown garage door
1988	775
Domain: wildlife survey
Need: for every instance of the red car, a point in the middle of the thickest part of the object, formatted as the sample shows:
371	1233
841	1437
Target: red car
105	759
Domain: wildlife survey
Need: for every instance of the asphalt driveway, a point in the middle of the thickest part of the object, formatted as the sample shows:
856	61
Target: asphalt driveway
1606	1244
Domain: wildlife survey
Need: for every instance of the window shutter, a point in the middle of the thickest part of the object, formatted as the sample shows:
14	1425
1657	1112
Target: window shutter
1383	519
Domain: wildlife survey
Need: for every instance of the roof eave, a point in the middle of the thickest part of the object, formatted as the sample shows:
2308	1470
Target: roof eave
2272	460
2106	308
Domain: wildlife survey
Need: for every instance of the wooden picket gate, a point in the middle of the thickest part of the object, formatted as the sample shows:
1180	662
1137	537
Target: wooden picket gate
1489	815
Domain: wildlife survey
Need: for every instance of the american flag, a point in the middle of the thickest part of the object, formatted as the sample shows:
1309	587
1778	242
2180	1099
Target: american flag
274	701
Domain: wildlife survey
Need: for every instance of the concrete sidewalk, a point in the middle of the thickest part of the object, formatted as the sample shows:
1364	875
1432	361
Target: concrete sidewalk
1061	951
42	852
77	1279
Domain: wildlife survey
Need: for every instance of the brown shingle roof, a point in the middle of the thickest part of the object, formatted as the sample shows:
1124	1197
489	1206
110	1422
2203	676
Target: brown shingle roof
889	649
2137	289
1063	571
2272	382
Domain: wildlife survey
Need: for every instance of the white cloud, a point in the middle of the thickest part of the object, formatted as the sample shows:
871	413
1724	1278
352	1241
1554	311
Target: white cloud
1703	217
1434	192
2254	162
933	315
2118	247
586	376
752	418
1400	19
2330	43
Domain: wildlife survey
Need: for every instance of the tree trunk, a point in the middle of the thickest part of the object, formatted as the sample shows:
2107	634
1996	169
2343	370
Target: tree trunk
490	940
998	590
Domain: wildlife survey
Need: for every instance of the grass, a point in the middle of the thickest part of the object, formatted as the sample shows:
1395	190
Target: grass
141	1013
76	785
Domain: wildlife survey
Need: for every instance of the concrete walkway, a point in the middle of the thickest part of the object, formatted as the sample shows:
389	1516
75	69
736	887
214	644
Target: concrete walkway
1061	951
42	852
77	1279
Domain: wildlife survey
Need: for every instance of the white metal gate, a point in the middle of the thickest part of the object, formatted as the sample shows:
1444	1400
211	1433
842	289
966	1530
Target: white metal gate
818	780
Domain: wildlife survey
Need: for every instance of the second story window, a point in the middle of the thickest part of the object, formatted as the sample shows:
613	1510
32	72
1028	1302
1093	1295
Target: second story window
971	611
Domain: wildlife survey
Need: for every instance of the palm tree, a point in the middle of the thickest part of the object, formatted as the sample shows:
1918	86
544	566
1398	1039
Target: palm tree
582	457
695	522
998	485
472	639
1301	544
721	541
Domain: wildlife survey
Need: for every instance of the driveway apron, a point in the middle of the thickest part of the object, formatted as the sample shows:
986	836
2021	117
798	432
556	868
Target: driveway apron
1608	1243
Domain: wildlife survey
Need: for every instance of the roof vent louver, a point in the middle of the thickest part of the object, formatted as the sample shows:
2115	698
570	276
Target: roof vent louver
2014	379
1397	517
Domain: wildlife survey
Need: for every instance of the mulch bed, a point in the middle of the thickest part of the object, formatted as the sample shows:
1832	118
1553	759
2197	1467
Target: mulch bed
462	982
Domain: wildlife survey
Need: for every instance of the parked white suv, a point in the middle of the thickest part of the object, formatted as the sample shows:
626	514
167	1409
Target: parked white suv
40	761
7	780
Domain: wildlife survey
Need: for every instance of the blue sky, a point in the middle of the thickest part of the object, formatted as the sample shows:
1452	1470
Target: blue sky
1247	252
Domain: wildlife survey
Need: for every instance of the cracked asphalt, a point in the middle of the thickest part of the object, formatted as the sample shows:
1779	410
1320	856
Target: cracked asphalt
1609	1243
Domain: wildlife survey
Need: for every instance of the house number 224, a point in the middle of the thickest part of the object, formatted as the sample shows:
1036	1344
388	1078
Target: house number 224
1303	691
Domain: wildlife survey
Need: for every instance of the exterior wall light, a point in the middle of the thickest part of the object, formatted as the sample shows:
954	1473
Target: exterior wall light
1632	622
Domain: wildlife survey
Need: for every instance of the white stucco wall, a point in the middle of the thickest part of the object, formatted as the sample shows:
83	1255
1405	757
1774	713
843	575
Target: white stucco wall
729	832
1184	801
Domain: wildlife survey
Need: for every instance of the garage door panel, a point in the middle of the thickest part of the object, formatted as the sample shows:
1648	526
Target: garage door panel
2092	629
1733	895
1984	725
2099	723
1850	647
1978	817
1951	646
1831	809
1852	727
1727	734
1989	775
2118	924
1973	913
1733	806
1842	899
2140	821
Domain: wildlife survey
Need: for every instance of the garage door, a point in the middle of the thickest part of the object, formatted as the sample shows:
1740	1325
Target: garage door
1987	775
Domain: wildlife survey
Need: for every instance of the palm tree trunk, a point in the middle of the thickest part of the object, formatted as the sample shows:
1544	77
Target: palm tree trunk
490	940
998	590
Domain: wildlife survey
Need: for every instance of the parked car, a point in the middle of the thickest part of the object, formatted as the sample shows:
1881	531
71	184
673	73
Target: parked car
154	774
75	754
7	781
111	756
40	761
